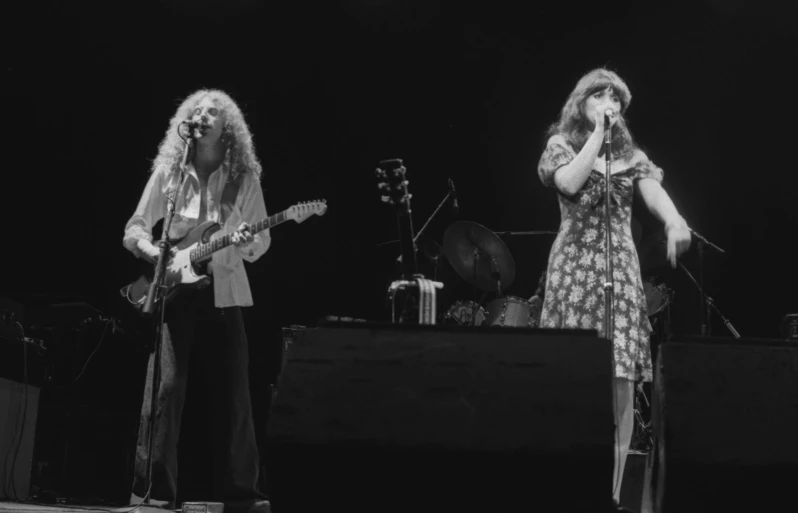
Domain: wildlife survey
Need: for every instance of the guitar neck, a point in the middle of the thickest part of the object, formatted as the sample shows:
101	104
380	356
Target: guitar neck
206	249
409	262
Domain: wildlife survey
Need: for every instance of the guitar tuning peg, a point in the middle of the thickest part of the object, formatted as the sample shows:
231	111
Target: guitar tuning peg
385	199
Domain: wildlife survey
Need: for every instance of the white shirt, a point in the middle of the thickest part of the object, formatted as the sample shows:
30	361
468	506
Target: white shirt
230	283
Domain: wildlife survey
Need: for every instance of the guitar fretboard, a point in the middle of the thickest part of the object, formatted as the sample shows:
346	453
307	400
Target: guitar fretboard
203	250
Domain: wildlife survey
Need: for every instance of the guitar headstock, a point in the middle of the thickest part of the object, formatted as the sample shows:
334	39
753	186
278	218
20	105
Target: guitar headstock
302	211
393	184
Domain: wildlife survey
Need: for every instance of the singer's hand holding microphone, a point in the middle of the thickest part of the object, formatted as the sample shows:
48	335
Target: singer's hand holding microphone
602	115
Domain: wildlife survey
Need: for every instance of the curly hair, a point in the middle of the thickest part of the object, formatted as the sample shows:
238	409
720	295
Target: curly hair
240	150
573	123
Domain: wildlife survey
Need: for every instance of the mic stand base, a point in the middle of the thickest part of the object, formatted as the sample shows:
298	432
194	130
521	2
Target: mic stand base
707	306
711	306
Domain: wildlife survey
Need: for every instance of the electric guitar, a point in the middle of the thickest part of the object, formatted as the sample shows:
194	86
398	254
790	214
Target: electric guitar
189	254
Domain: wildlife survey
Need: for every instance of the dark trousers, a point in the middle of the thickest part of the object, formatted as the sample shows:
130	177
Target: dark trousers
192	319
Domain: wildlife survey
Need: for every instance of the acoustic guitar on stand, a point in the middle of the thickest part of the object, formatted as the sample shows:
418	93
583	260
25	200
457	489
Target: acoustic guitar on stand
192	252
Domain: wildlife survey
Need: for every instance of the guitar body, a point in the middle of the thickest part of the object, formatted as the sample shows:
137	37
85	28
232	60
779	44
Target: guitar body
181	273
185	270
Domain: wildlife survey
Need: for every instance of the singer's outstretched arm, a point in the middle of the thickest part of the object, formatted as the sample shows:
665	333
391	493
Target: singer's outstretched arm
661	205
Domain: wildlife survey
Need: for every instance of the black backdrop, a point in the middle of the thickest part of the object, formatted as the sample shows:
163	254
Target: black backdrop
456	89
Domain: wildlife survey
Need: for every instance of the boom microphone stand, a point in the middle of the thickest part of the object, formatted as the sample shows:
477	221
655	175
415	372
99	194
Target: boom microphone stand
707	303
452	194
158	287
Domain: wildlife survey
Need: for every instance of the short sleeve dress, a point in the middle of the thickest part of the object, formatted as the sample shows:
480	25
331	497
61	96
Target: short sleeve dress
574	292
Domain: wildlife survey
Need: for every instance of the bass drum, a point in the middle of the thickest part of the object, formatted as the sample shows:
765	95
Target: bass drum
513	312
657	297
464	312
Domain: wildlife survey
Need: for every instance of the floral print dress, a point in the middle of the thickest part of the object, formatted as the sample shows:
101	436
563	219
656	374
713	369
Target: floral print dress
574	285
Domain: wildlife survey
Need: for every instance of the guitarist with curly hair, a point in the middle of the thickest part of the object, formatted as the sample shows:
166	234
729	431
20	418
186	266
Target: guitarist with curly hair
221	184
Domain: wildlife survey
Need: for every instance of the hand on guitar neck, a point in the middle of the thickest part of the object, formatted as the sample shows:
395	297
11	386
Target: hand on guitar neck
242	236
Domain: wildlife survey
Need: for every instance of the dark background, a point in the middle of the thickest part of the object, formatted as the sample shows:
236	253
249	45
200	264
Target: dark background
455	89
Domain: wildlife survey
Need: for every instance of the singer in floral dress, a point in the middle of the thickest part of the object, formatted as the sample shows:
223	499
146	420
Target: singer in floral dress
573	163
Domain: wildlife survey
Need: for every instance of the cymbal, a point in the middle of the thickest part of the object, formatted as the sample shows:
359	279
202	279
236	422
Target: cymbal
465	243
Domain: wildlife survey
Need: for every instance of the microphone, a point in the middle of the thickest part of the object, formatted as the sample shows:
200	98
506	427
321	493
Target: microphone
192	127
455	206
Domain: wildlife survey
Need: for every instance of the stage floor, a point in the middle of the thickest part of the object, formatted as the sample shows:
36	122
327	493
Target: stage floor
18	507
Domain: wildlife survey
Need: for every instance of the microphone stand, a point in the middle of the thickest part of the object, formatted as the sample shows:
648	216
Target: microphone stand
609	289
157	287
609	286
429	220
707	303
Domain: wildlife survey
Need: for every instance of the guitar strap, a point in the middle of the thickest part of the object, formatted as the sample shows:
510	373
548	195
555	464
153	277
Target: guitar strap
229	196
226	204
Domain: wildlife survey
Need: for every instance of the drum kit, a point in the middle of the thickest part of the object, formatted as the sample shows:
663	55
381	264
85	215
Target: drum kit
481	258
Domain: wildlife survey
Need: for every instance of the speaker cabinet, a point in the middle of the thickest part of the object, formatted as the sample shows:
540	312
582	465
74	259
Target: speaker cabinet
725	415
442	418
19	406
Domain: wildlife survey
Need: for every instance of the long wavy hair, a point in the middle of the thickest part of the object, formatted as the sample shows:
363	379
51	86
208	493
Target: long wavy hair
239	148
574	124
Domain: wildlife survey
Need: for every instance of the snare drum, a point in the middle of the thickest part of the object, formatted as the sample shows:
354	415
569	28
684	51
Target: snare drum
513	312
463	312
657	297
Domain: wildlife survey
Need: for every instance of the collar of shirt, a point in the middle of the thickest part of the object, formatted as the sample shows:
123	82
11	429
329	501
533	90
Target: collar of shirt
191	195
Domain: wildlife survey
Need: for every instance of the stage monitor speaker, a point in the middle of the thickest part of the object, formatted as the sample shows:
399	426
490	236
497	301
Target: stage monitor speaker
442	418
19	406
725	415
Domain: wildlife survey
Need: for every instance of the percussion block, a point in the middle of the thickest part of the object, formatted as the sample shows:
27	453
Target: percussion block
725	416
442	418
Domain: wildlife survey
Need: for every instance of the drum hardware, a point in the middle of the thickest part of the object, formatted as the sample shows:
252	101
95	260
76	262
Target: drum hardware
466	313
658	297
